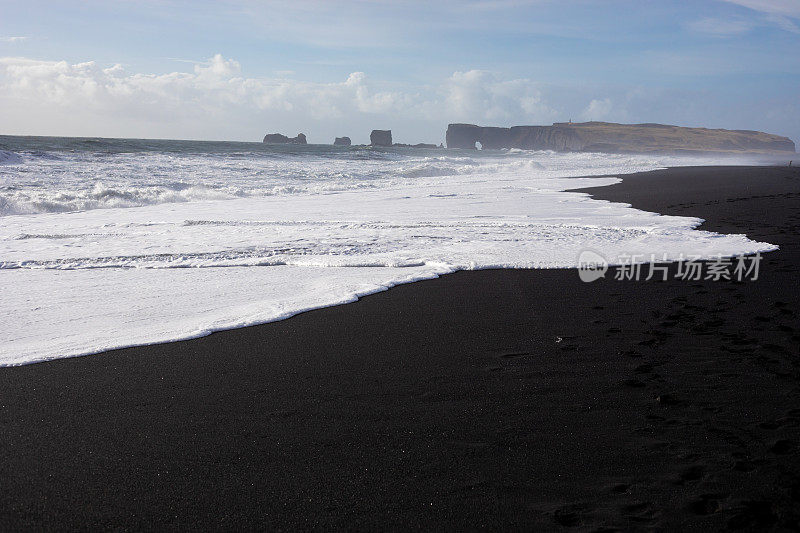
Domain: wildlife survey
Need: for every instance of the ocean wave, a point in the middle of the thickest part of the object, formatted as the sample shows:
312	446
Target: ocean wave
20	201
60	176
10	158
330	255
26	236
434	170
327	228
23	202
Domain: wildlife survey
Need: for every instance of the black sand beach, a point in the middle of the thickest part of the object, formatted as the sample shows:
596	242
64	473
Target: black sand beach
511	399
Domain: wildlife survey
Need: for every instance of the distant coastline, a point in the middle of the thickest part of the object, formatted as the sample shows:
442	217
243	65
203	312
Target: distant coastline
608	137
602	137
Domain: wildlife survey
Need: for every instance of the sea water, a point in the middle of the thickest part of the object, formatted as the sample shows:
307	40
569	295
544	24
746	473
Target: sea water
106	243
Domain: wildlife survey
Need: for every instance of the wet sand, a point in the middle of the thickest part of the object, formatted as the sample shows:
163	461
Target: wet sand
511	399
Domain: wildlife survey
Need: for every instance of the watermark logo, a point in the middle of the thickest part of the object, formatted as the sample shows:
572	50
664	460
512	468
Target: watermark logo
593	266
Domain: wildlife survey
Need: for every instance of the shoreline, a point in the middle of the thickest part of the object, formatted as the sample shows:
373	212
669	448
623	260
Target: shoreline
449	402
203	331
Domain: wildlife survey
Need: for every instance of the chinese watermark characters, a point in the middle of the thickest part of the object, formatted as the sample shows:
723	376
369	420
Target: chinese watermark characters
593	266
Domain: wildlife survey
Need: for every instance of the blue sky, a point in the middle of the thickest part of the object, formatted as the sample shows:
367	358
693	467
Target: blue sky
237	69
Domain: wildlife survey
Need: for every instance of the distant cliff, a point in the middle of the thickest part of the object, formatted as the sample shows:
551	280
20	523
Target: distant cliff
277	138
617	138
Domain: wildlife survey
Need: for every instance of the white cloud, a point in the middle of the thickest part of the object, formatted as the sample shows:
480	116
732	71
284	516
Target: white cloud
721	27
217	100
213	85
784	23
789	8
598	109
218	67
12	39
478	96
91	99
778	12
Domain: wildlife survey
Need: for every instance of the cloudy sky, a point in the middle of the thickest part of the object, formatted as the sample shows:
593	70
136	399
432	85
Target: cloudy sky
237	69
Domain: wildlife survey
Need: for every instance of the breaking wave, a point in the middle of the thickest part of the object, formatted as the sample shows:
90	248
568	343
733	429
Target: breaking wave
134	241
88	174
9	158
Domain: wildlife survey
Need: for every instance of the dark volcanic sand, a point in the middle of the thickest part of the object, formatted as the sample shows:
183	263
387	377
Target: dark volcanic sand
448	403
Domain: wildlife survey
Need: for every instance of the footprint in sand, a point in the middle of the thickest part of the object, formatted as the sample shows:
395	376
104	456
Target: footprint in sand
668	399
707	504
620	488
693	473
569	516
783	447
634	383
753	514
642	512
632	353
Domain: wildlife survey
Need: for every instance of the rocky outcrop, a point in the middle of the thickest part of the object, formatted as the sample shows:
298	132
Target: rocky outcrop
277	138
463	136
380	138
617	138
342	141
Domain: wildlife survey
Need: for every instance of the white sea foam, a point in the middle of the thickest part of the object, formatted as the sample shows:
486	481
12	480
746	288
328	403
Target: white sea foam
114	249
9	158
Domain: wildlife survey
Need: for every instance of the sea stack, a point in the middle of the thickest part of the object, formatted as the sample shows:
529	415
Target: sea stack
380	138
278	138
342	141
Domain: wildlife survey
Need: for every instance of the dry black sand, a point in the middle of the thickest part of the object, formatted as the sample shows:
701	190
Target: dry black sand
448	403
